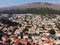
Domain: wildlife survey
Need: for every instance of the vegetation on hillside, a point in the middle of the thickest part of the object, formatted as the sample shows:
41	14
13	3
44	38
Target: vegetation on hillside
31	10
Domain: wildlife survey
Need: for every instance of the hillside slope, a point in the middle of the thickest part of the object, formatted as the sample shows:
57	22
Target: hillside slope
36	7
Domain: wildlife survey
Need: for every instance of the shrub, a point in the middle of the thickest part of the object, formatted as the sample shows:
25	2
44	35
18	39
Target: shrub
52	31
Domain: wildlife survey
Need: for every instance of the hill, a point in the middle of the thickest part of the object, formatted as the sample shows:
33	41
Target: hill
34	8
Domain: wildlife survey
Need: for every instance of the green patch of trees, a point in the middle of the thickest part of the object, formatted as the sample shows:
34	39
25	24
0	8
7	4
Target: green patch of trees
58	25
52	31
9	22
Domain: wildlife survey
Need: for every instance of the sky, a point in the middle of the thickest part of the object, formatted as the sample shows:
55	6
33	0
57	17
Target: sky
6	3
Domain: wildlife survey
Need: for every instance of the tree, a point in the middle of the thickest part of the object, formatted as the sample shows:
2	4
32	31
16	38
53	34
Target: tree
52	31
58	26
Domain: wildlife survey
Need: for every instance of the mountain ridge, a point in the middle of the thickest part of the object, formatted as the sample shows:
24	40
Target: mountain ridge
33	5
33	8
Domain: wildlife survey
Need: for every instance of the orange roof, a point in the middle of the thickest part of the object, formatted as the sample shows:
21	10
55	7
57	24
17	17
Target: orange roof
25	34
12	36
16	41
20	28
32	28
23	40
4	37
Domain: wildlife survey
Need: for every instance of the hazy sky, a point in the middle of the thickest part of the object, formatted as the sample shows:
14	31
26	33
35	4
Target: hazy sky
6	3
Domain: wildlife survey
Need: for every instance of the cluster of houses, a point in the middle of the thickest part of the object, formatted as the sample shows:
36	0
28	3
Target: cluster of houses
34	30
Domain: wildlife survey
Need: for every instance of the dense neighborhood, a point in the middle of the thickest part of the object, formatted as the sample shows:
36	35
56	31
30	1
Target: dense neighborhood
29	29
